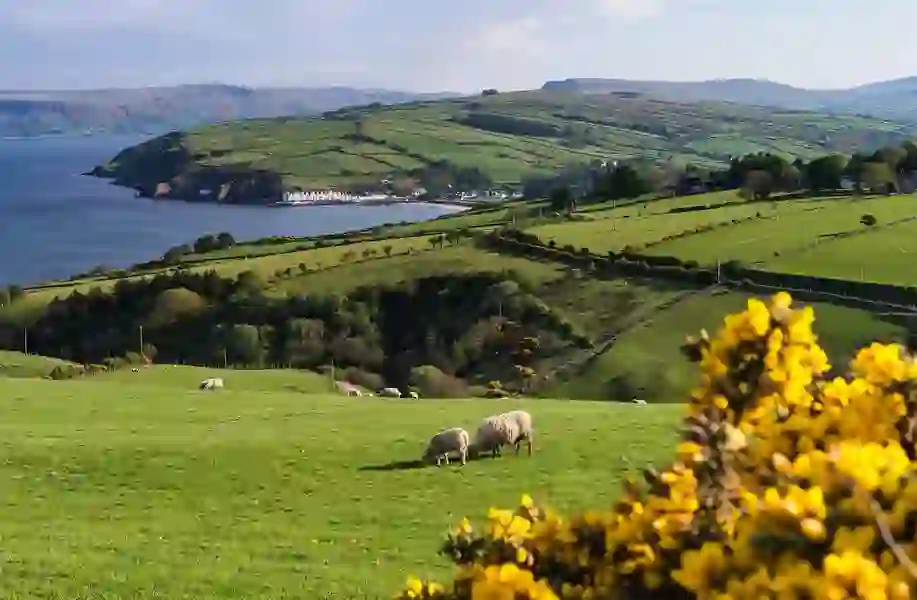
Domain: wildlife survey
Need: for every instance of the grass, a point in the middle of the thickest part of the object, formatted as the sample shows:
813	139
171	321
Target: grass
794	225
450	260
646	360
365	145
880	255
612	232
118	490
18	364
254	380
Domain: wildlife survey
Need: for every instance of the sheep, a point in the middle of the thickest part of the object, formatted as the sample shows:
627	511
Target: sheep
390	392
135	370
495	431
354	392
638	402
446	441
213	383
414	396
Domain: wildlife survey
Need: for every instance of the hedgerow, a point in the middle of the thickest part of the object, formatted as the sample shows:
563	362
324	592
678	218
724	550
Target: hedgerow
786	484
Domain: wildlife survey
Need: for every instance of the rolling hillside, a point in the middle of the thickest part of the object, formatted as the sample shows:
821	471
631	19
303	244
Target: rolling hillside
508	137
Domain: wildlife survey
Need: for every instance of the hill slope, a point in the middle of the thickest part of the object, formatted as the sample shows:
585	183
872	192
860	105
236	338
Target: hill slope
890	99
505	136
158	109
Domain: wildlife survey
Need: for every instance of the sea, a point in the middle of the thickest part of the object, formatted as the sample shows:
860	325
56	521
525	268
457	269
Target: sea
56	222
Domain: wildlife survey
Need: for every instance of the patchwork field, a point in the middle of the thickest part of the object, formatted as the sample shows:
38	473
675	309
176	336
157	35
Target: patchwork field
119	489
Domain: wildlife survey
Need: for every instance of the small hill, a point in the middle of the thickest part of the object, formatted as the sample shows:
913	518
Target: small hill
160	109
474	142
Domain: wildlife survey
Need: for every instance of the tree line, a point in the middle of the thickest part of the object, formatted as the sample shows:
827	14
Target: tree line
465	328
759	175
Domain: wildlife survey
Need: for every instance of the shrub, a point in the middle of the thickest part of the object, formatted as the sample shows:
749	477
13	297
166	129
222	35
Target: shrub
785	485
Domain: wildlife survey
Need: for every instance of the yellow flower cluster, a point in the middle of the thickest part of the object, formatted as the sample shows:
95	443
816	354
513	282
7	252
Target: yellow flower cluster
786	484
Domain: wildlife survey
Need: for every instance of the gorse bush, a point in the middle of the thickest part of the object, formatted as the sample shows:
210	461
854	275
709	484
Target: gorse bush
786	484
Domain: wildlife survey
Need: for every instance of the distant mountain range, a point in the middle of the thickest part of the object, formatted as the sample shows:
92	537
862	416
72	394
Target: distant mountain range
155	110
894	99
158	109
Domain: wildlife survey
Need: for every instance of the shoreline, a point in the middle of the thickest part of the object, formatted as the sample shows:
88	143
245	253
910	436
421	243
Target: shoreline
392	200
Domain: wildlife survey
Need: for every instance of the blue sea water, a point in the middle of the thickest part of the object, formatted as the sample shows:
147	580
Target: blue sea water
55	222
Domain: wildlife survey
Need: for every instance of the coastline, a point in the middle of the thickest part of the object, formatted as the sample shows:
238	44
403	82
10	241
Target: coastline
391	200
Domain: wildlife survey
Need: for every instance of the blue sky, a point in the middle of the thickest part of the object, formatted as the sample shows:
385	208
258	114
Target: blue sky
460	45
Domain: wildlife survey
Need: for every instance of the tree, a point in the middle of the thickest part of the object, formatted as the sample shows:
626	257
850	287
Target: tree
758	184
225	240
825	173
490	92
562	200
205	243
242	343
173	304
879	177
854	170
387	249
868	220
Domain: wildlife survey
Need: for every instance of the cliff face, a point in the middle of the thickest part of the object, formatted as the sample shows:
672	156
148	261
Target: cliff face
163	167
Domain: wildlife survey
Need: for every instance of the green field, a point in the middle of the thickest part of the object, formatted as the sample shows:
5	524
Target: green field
117	489
513	135
792	227
882	255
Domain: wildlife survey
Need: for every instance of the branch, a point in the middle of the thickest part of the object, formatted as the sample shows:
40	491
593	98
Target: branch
886	534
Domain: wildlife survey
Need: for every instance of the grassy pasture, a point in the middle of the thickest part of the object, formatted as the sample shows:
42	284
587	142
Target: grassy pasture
880	255
451	260
794	225
113	489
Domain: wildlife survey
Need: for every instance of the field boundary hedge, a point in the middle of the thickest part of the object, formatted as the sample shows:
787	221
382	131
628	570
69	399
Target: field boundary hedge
860	294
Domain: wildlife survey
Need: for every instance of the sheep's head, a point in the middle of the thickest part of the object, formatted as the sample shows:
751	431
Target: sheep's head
429	454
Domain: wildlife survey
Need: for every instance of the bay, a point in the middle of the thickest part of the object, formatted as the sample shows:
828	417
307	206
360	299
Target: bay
55	222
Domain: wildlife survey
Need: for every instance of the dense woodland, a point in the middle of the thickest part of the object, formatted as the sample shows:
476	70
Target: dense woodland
428	334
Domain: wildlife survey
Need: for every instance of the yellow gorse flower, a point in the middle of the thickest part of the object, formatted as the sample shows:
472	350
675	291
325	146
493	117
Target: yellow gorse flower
785	485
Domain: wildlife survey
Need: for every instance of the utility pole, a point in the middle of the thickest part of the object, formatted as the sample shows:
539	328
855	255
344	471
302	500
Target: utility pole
717	271
25	339
141	340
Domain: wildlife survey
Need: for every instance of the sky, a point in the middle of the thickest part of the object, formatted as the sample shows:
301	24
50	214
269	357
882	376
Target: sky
454	45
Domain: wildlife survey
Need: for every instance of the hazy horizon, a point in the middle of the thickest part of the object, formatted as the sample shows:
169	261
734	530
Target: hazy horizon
410	45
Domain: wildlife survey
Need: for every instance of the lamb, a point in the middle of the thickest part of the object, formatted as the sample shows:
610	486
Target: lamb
446	441
511	428
390	392
414	395
638	402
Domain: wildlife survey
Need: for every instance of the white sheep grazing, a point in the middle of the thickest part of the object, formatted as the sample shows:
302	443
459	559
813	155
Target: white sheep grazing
638	402
509	428
446	441
414	396
390	392
214	383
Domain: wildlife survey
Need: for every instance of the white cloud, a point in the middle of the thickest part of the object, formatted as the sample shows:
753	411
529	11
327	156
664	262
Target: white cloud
631	9
520	37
